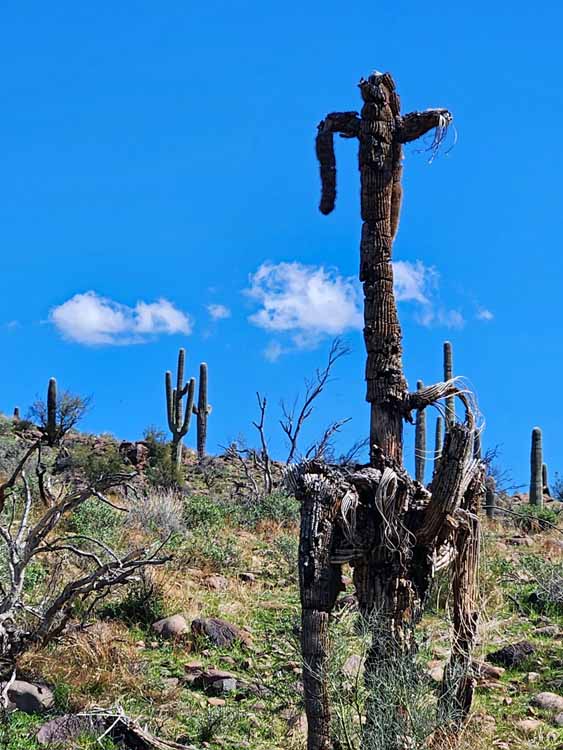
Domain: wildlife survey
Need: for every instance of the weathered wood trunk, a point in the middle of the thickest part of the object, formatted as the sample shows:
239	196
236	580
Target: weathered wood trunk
389	528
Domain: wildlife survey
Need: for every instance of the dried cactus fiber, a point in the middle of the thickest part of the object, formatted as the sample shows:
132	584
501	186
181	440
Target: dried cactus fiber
420	441
448	375
178	417
536	463
202	411
438	440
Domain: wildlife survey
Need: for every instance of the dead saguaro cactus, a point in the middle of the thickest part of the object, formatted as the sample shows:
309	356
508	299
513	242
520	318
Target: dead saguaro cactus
536	463
393	531
438	440
202	411
178	417
448	375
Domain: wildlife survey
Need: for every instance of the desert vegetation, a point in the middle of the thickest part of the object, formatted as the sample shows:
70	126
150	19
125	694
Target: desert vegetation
155	596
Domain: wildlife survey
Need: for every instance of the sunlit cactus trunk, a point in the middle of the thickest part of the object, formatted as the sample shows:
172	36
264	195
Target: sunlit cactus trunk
420	441
202	411
448	375
536	463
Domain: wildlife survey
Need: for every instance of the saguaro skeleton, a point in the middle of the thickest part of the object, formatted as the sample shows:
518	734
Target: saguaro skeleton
394	532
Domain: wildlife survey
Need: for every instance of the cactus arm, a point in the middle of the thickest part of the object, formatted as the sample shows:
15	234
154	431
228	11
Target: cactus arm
348	125
189	407
420	441
439	440
416	124
448	375
169	401
179	387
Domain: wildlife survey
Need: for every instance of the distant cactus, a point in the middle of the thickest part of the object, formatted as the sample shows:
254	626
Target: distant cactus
16	413
202	411
448	375
51	426
545	481
490	497
178	419
438	440
420	441
536	479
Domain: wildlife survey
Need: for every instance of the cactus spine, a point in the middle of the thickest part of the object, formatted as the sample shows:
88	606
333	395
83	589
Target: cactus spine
178	420
448	375
202	411
51	427
420	441
536	479
545	481
438	441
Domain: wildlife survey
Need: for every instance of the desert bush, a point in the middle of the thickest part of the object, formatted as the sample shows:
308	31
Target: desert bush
277	506
534	519
162	471
159	510
142	604
543	580
204	511
95	465
210	552
96	519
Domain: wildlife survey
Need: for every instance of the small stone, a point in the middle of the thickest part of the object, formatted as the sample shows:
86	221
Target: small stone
220	632
486	670
247	577
216	701
532	677
528	726
548	701
558	720
550	631
437	673
171	683
140	644
513	655
521	541
171	627
64	729
217	583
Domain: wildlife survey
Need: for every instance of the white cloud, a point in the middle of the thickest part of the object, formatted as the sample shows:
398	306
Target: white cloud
484	314
93	320
308	301
440	316
273	351
413	282
218	312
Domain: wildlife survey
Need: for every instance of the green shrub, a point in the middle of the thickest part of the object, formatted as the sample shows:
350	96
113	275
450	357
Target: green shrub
95	465
142	605
201	511
533	518
95	518
205	550
162	470
277	506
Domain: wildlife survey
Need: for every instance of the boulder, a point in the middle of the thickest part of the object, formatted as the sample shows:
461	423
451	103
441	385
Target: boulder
528	726
29	698
548	701
217	583
64	729
220	632
558	720
171	627
136	453
513	655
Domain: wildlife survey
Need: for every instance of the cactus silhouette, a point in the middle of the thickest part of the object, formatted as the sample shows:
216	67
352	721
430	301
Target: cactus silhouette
51	427
490	497
438	440
178	418
536	462
420	441
202	411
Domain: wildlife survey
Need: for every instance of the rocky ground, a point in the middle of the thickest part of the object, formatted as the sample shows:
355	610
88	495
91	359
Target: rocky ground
204	651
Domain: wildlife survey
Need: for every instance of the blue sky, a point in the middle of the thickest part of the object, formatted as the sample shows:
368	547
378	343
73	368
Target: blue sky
165	152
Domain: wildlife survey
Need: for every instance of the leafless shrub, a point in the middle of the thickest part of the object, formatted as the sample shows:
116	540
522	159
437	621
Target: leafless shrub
160	510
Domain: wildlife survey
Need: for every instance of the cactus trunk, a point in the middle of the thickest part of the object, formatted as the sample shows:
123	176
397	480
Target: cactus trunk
438	440
448	375
545	480
202	411
178	419
420	441
51	430
490	497
536	462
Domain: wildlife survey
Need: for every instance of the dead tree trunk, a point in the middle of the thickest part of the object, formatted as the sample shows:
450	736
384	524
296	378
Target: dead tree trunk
393	531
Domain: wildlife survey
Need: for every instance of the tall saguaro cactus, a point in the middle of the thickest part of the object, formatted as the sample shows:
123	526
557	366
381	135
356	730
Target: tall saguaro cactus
420	441
387	527
536	463
202	411
178	418
51	426
438	441
448	375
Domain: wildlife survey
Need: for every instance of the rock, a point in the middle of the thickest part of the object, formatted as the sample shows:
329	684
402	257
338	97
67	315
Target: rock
521	541
532	677
558	720
550	631
212	680
171	627
350	601
217	583
247	577
548	701
484	670
513	655
528	726
436	670
216	701
225	685
136	453
65	729
220	632
171	683
29	698
352	666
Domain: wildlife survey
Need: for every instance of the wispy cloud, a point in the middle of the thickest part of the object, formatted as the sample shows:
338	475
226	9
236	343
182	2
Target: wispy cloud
218	312
484	314
94	320
273	351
